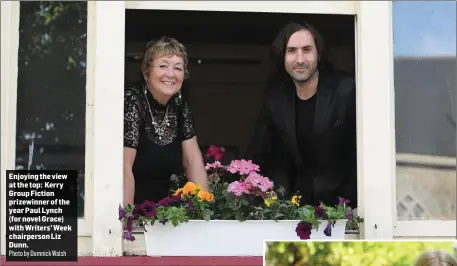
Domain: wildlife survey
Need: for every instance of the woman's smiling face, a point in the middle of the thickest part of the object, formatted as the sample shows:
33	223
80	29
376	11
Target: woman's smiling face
165	77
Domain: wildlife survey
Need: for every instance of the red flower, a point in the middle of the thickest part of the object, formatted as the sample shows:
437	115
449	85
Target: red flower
216	152
303	230
149	208
320	213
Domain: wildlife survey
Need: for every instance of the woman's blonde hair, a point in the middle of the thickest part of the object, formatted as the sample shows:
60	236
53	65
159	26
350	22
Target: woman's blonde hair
165	46
435	258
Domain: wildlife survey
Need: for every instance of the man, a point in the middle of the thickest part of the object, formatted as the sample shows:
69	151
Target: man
305	136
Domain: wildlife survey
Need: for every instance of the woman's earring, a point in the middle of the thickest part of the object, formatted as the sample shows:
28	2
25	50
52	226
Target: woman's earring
178	98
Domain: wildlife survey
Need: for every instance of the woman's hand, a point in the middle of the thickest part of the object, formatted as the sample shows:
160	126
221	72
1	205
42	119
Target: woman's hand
193	163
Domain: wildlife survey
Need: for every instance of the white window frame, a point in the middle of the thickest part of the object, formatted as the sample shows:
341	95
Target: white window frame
109	29
9	59
106	36
9	52
378	158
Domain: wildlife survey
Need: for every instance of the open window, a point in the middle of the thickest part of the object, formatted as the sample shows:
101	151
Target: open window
229	62
47	94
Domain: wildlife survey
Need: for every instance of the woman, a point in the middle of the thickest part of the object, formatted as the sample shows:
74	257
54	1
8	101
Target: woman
159	133
435	258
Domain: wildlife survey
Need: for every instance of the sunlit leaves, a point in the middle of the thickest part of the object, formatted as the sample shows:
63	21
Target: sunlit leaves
349	253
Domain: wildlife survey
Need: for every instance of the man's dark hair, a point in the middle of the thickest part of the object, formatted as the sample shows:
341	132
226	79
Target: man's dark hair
278	48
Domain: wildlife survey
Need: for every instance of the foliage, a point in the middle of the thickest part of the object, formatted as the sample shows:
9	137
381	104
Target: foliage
51	87
349	253
250	196
51	34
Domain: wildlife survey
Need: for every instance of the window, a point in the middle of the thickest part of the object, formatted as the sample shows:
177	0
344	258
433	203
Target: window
425	107
51	88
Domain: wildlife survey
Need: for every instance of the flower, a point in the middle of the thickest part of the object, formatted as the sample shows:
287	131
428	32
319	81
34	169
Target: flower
216	152
178	192
149	208
249	197
328	230
215	165
170	200
129	224
138	211
189	188
129	236
121	212
270	200
303	230
242	167
189	205
296	200
206	196
320	212
258	181
343	201
237	188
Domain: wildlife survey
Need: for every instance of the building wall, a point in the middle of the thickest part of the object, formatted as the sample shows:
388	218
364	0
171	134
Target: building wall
375	65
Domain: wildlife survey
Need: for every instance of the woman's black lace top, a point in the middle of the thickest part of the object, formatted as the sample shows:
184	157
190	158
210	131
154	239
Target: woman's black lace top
156	132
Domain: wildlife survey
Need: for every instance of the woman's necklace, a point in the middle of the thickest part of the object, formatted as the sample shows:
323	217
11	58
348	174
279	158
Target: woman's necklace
158	129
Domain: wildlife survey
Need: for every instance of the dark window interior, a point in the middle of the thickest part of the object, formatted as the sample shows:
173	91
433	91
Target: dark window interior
228	62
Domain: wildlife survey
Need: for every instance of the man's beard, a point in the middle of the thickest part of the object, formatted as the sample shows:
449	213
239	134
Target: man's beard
306	78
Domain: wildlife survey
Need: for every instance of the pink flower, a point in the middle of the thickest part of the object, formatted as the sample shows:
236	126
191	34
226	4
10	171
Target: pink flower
214	165
216	152
237	188
258	181
242	167
266	184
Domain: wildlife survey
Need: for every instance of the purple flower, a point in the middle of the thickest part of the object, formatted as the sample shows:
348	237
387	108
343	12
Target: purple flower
129	224
189	206
149	208
303	230
349	214
129	235
328	230
320	212
165	202
343	201
121	212
137	211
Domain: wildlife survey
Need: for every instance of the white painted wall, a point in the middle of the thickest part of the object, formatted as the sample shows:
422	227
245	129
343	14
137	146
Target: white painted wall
108	132
375	100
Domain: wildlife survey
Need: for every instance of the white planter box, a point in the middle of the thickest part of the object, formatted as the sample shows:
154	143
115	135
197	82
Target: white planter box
226	238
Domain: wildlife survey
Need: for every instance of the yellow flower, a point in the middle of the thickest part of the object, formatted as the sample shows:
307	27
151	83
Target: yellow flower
296	200
189	188
177	191
204	195
269	201
198	188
